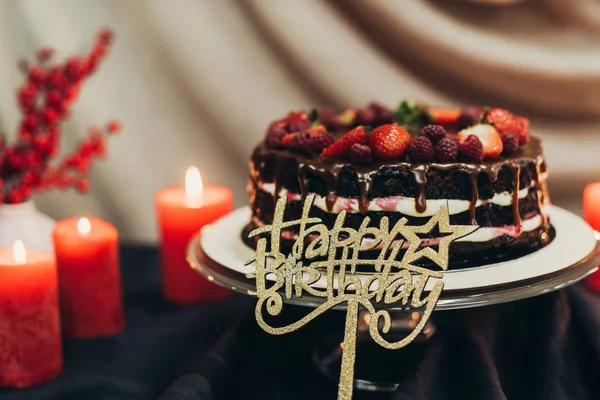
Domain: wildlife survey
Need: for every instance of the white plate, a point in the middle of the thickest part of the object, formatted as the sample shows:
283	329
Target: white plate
574	241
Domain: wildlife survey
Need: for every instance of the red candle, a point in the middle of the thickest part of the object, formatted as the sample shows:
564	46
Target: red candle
30	343
87	255
183	211
591	213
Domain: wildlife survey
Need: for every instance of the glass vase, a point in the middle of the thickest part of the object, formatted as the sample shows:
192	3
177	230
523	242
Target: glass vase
25	222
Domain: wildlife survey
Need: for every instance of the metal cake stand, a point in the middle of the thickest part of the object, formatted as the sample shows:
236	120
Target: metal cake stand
218	253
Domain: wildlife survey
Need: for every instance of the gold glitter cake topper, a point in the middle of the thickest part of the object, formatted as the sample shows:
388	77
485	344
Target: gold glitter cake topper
334	255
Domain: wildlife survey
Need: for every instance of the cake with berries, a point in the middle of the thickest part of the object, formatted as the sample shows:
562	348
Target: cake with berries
406	163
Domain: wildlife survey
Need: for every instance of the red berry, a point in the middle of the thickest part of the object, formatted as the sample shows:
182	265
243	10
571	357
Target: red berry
36	74
82	185
113	127
45	54
360	154
55	78
74	69
446	150
421	150
320	141
433	132
381	113
388	142
471	149
510	143
50	116
340	147
106	35
489	137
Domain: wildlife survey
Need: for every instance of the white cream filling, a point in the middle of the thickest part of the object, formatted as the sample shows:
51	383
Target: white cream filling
482	234
404	205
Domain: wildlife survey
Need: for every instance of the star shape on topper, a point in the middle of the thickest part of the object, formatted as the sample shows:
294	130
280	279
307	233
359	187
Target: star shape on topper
449	234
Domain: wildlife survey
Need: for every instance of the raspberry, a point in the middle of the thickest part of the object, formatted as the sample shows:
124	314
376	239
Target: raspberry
510	143
381	113
327	117
471	149
360	153
489	137
298	121
470	116
446	150
421	150
276	132
433	132
320	141
300	142
365	117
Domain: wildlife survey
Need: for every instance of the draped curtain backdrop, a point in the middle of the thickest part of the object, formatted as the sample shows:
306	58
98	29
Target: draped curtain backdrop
197	81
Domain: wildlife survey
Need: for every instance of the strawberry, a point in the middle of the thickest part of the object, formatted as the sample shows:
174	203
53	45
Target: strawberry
503	120
523	131
445	115
288	138
342	145
489	137
297	121
389	141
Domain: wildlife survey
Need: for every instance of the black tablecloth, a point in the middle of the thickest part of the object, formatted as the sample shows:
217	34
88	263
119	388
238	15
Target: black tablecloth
546	347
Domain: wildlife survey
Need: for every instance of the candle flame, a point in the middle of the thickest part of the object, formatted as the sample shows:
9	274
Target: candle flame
83	226
193	184
19	253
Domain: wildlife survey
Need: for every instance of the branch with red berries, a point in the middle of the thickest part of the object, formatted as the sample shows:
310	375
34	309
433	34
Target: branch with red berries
45	100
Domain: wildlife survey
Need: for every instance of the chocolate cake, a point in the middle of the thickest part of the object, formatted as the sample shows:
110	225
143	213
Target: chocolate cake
406	163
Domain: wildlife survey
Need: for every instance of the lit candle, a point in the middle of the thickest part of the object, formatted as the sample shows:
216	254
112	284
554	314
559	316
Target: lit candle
183	211
87	255
30	343
591	213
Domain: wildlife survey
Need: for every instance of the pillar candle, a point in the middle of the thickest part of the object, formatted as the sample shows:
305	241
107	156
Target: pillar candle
182	212
591	213
30	339
87	255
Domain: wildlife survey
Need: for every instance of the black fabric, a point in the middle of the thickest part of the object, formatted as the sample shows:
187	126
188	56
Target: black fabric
547	347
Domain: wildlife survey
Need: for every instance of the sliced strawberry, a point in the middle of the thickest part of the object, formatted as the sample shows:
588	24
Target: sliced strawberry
311	131
388	142
489	137
445	115
342	145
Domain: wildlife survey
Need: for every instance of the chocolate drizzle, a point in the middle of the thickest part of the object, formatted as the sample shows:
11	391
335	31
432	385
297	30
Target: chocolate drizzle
420	173
330	173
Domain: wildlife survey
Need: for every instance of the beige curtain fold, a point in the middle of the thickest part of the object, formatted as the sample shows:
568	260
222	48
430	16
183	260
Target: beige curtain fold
197	81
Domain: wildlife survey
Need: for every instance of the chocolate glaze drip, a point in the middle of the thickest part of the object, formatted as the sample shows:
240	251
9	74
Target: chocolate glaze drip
516	171
473	177
329	172
420	172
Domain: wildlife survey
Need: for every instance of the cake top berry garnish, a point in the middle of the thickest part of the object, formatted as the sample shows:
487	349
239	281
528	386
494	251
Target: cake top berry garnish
412	132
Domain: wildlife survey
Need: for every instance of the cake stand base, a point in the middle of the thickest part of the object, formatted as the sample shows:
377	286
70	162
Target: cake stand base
372	372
